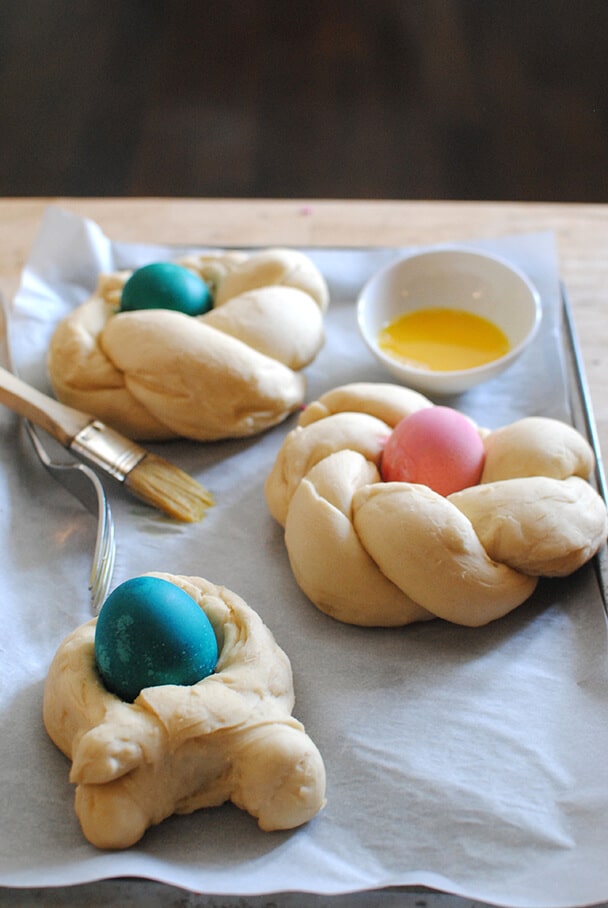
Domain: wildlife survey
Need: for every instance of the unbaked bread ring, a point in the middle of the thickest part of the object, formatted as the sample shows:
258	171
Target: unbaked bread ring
177	749
156	374
369	552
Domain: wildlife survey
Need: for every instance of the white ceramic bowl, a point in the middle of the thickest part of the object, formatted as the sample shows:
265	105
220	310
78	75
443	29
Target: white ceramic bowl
452	278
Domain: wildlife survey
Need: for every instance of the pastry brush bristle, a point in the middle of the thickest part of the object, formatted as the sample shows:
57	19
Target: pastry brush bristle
169	489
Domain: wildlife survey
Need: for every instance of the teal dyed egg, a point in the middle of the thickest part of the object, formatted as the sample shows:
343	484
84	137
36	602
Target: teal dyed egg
150	632
165	285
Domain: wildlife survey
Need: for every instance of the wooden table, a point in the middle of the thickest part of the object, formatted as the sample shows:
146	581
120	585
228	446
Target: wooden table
581	233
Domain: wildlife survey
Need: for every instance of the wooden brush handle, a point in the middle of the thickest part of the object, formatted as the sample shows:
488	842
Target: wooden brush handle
62	422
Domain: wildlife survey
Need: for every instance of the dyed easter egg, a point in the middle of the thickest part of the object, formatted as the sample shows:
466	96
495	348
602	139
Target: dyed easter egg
437	447
165	285
150	632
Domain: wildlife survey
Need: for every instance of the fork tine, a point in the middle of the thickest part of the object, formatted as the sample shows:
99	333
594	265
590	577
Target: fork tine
103	560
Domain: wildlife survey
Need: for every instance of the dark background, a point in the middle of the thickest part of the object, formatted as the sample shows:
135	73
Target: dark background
444	99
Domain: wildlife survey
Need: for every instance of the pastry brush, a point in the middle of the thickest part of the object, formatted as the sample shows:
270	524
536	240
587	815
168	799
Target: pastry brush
147	476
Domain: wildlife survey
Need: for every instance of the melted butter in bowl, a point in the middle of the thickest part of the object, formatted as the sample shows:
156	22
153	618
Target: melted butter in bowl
443	339
444	320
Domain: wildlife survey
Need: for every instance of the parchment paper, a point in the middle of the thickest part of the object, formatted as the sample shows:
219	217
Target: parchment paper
468	760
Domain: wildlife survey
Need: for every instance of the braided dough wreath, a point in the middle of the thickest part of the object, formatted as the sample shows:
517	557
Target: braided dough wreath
369	552
157	374
177	749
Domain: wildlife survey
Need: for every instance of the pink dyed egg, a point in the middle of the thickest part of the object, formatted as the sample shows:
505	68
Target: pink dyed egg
437	447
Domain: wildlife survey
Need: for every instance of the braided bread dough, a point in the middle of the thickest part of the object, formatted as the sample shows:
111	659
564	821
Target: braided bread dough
369	552
232	372
176	749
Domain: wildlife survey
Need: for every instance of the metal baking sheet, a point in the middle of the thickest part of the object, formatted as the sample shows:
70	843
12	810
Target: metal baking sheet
583	419
467	761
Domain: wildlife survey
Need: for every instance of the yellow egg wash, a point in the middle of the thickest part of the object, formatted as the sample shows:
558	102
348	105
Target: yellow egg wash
443	339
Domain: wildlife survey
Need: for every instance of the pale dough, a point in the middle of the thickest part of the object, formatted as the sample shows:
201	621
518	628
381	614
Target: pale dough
232	372
369	552
177	749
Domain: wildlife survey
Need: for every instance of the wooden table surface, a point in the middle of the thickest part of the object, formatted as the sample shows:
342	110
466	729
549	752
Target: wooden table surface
581	233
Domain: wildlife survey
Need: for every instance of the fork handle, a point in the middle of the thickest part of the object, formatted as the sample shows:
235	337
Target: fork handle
59	420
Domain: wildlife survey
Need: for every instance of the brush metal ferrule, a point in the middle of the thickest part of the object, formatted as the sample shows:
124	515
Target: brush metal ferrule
107	449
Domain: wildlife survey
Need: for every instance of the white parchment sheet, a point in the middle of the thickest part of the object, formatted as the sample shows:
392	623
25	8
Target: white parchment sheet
469	760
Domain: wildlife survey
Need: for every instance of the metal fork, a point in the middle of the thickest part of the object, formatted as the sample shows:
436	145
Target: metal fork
82	482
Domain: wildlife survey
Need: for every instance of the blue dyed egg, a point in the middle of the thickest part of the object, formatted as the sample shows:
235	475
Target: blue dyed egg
165	285
150	632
